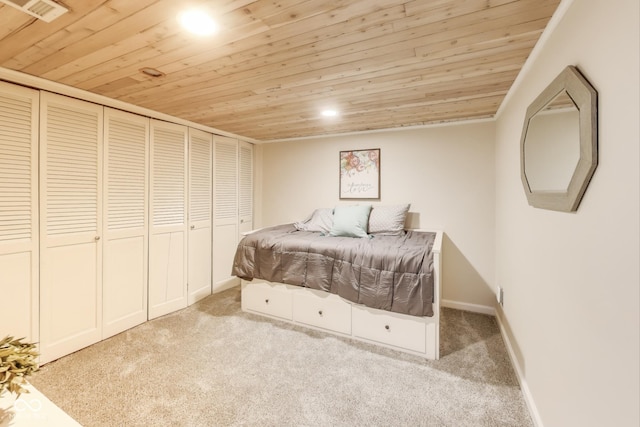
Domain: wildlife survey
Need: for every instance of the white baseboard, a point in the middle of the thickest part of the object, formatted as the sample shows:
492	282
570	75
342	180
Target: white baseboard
474	308
225	284
528	398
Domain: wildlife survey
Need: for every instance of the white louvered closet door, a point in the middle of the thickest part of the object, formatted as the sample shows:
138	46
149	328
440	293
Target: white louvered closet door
246	187
200	221
168	219
126	232
225	229
19	265
71	225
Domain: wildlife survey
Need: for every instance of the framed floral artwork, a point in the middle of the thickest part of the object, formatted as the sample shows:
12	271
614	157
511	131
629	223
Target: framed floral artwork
360	174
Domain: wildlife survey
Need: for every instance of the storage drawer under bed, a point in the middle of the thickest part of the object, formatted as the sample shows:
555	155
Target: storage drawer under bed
322	310
416	335
389	328
268	298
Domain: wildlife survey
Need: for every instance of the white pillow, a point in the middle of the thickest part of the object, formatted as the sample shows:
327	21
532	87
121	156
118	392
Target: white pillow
320	220
388	220
350	221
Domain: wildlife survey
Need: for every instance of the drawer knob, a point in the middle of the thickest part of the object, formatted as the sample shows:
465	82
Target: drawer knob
387	327
266	301
320	313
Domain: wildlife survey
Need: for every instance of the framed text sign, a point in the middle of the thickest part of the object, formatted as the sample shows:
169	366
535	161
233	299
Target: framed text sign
360	174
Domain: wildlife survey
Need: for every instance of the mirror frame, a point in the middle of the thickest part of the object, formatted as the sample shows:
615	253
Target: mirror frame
585	98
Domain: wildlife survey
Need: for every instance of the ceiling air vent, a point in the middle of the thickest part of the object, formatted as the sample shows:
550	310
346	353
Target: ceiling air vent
46	10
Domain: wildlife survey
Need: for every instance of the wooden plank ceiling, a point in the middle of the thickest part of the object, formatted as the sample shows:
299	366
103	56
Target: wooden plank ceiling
274	64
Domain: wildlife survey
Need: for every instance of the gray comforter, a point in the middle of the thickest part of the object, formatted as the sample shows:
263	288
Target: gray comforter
393	273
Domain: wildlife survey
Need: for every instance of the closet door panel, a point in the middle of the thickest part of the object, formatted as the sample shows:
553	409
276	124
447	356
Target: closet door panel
125	270
168	219
125	221
71	306
200	206
199	264
224	249
71	224
226	224
19	319
166	273
19	240
245	187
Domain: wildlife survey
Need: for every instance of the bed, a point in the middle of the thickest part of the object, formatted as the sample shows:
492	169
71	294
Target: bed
375	284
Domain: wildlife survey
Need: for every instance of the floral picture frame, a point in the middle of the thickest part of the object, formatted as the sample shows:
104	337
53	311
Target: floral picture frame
360	174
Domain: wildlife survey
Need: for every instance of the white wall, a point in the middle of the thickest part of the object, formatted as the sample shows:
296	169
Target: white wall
445	172
571	279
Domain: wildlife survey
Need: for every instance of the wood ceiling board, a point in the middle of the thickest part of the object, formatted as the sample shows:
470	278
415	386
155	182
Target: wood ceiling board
274	63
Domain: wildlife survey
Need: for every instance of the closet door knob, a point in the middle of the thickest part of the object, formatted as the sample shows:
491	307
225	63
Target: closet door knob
193	227
387	327
97	238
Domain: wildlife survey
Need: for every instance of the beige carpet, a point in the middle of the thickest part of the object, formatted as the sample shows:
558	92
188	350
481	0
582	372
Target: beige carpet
212	365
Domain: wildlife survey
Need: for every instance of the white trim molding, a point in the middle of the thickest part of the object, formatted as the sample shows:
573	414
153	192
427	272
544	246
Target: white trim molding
465	306
535	52
524	387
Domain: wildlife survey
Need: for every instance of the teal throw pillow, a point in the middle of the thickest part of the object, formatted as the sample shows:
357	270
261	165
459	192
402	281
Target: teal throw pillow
350	221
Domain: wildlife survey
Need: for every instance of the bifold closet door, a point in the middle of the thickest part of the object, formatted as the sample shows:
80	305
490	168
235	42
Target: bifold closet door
168	222
126	153
225	229
200	205
246	187
19	265
71	225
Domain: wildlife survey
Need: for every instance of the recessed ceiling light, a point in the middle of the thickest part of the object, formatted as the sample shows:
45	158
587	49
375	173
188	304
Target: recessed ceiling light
329	113
197	22
152	72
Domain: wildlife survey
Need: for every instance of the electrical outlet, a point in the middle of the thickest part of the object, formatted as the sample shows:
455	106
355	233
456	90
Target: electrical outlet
500	296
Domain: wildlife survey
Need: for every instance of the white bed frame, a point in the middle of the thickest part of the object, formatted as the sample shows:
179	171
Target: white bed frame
330	313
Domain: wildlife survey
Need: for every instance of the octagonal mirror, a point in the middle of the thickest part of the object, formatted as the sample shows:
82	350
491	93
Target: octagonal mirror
558	148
